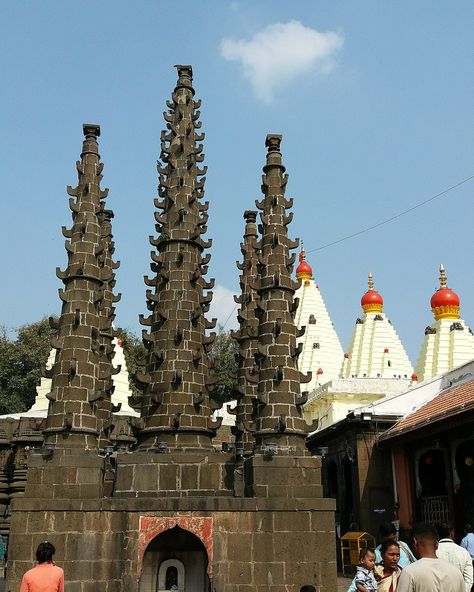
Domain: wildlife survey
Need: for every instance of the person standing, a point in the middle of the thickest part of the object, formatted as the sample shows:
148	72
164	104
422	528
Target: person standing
454	554
45	576
468	540
388	530
429	573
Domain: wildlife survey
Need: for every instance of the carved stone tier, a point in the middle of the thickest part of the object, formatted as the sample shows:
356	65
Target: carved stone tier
247	338
77	377
280	421
176	407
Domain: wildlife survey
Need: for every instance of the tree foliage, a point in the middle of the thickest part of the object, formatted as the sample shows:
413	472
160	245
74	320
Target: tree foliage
133	350
223	353
22	359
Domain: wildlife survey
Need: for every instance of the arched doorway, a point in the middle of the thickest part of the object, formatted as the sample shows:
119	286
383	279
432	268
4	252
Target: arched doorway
432	486
175	559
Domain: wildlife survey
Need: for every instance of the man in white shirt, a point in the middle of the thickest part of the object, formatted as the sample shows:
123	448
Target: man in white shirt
454	554
429	574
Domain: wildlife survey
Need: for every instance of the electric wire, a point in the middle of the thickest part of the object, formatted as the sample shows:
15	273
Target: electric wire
392	218
373	226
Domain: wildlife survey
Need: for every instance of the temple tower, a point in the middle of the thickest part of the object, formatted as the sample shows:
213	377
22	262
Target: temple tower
448	342
246	337
375	350
322	352
176	409
81	372
279	413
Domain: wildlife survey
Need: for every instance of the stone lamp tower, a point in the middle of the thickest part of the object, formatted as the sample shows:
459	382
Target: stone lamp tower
176	511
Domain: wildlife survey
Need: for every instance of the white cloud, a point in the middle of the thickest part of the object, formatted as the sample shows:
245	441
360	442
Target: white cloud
224	308
281	52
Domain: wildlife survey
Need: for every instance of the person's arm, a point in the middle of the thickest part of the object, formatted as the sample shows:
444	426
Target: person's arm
361	588
464	543
467	573
24	585
405	583
60	583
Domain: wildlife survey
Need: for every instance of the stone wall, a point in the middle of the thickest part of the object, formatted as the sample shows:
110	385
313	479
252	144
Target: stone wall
258	545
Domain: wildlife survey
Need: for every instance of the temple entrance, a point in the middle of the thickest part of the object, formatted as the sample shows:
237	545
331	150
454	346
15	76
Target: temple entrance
432	487
175	560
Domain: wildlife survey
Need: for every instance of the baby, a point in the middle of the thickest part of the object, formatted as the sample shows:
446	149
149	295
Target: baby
365	579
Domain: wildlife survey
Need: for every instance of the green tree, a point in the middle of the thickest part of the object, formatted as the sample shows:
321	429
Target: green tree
223	353
133	350
22	360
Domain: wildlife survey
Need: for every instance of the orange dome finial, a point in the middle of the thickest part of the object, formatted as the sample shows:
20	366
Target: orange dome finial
445	303
304	271
371	301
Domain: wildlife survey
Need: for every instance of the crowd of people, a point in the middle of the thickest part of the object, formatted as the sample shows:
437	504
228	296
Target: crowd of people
437	564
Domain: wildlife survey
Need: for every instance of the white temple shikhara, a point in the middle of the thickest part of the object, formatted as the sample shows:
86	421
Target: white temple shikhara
376	364
448	342
375	350
322	350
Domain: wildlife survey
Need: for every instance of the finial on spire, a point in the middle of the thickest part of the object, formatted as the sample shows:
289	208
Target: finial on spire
442	276
371	301
304	271
371	281
91	130
185	77
445	303
272	142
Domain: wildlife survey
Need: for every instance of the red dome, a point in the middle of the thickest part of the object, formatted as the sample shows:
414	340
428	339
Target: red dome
304	269
445	302
371	301
371	297
444	297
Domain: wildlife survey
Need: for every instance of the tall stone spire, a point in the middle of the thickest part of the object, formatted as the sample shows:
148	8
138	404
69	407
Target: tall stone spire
176	409
77	376
279	415
247	338
107	332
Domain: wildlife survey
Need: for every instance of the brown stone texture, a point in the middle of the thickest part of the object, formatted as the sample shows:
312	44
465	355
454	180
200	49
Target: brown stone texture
251	520
279	413
76	378
176	382
247	338
259	545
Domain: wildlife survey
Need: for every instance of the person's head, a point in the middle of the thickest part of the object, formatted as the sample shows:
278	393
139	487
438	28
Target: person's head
388	530
307	588
367	558
468	528
425	540
45	552
390	552
445	530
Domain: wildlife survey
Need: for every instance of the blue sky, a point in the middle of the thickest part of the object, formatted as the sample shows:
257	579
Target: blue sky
374	100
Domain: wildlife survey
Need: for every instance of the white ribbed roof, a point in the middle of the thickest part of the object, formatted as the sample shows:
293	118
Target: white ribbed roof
375	350
448	343
321	345
120	395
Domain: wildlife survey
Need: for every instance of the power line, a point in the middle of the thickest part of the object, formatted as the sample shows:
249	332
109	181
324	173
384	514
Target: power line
382	223
392	218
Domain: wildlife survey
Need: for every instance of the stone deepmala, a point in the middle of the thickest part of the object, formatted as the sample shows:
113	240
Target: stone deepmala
246	337
279	418
82	371
176	382
105	408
